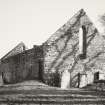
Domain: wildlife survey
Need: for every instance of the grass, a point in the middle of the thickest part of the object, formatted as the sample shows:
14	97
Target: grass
34	92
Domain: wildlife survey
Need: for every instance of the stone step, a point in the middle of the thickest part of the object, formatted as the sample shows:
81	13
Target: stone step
41	94
55	101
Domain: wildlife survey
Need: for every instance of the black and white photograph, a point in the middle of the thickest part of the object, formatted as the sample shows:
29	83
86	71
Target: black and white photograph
52	52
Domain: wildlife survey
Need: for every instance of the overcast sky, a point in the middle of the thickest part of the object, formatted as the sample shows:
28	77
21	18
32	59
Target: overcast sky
34	21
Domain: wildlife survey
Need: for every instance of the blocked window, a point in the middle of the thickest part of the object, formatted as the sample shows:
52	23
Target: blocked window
82	42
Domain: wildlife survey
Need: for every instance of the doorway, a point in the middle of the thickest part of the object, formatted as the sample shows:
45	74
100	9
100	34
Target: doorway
40	62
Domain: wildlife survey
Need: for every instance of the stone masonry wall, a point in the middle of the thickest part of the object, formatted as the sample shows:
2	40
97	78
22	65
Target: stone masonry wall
18	49
23	66
61	52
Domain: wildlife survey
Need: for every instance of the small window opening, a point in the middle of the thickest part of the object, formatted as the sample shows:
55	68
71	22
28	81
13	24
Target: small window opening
96	76
82	42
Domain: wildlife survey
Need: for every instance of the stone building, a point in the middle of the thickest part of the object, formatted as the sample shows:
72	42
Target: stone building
72	57
75	52
19	65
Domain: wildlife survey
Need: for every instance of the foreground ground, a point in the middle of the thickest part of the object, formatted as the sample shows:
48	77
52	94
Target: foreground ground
37	93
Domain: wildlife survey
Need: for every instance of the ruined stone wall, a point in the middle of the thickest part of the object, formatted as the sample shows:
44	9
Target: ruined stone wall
18	49
61	51
23	66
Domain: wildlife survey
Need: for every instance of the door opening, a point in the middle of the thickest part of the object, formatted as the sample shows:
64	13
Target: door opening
40	70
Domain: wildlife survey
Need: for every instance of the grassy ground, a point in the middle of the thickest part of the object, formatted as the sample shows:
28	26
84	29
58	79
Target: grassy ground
34	92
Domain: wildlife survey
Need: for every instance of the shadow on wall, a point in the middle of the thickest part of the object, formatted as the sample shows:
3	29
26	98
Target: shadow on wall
24	66
54	79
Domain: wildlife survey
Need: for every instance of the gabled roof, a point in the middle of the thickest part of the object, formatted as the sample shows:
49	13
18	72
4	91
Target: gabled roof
16	50
67	27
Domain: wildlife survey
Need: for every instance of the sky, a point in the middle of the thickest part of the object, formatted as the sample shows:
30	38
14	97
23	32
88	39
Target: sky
34	21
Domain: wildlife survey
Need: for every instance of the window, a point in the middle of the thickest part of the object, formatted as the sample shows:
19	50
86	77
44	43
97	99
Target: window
82	42
96	76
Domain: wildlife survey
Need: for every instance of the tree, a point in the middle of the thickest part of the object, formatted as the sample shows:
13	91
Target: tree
102	21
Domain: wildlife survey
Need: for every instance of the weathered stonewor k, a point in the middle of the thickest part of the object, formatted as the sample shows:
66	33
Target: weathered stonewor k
75	52
72	57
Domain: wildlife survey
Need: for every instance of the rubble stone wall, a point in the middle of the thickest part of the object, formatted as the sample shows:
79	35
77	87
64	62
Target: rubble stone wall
23	66
61	51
